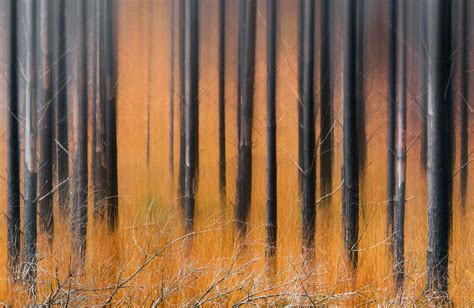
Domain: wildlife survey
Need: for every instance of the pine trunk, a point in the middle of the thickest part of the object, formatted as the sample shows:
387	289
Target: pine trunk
439	145
245	110
271	226
351	152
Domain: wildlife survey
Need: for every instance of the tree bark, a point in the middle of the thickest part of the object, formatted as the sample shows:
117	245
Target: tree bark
181	106
60	98
271	226
247	69
439	145
31	169
111	118
13	181
464	143
79	206
191	101
44	98
391	110
221	67
326	124
400	148
360	87
309	157
351	152
99	150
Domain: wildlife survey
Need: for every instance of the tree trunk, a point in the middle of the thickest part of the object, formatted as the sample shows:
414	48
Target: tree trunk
400	148
191	100
181	106
79	206
60	99
391	107
326	124
13	182
44	98
351	153
221	67
247	69
30	210
99	153
111	118
309	157
439	145
464	155
300	40
360	87
271	227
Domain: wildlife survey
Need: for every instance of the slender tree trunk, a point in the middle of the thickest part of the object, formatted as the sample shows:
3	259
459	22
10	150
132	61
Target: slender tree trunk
326	125
79	209
423	84
60	80
181	106
94	11
309	157
360	87
400	148
44	98
171	127
439	145
271	227
300	89
13	182
391	109
99	153
247	69
31	169
464	155
111	118
191	100
221	67
351	153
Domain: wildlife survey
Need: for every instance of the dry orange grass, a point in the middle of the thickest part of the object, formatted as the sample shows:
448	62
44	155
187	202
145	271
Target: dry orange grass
149	261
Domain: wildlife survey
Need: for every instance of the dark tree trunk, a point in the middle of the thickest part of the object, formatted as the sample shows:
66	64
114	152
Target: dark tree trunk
13	182
309	157
171	127
300	90
439	145
351	152
191	100
181	106
221	67
60	98
400	148
326	125
464	155
360	87
111	118
99	148
391	107
271	227
31	169
44	99
79	206
247	69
